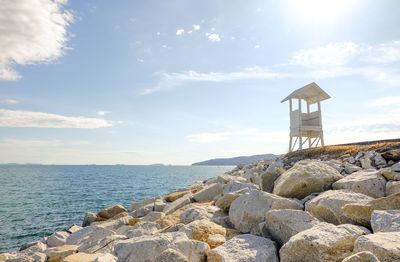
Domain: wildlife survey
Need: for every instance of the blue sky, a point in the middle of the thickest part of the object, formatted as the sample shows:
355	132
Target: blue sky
175	82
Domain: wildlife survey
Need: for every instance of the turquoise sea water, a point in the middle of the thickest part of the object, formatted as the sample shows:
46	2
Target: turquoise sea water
36	201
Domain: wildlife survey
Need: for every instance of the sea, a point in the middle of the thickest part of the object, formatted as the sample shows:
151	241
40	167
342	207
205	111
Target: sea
38	200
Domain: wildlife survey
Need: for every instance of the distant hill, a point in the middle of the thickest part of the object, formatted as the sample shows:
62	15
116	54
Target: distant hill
234	160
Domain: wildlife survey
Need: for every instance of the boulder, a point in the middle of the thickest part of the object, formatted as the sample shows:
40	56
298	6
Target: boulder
361	212
304	178
368	182
350	168
215	240
322	242
113	224
202	229
393	154
385	221
226	200
153	216
56	254
34	247
392	187
73	228
396	167
89	219
143	228
268	177
328	205
112	211
364	256
195	212
282	224
224	179
244	247
390	174
179	203
84	257
57	239
140	209
209	192
235	186
91	238
247	211
147	248
384	245
171	197
171	255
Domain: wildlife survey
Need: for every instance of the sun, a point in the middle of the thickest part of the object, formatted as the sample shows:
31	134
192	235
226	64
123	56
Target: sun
320	10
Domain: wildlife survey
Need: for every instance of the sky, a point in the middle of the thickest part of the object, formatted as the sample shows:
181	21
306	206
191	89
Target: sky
181	81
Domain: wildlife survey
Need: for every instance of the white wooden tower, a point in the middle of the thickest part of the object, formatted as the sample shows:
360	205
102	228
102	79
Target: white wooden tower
306	128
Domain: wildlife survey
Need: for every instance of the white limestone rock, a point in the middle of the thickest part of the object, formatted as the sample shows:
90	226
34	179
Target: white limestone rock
322	242
390	174
304	178
247	211
171	255
113	224
195	212
385	221
350	168
368	182
57	239
282	224
267	178
209	192
384	245
233	186
180	202
364	256
153	216
91	238
147	248
243	248
328	205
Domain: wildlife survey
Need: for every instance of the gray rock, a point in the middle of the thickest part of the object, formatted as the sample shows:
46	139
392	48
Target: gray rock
385	221
392	187
153	216
350	168
195	212
171	255
268	177
282	224
384	245
147	248
235	186
396	167
73	228
89	219
304	178
243	248
390	174
368	182
91	238
364	256
209	192
322	242
247	211
328	205
57	239
180	202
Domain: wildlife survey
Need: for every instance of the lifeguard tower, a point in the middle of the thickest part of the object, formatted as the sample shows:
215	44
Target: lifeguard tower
306	127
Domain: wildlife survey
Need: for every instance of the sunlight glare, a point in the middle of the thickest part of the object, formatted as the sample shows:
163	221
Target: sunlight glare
320	10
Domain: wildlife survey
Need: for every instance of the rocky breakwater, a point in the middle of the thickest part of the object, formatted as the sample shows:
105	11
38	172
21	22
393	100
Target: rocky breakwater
343	209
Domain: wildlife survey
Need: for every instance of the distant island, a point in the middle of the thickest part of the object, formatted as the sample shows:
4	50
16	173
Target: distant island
233	161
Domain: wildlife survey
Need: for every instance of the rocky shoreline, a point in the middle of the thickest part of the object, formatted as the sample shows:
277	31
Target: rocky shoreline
342	208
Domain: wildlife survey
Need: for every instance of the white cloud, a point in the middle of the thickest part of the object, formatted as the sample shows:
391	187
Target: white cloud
333	60
214	38
140	60
17	118
208	137
340	54
190	32
257	46
12	142
9	101
196	27
102	113
31	31
180	31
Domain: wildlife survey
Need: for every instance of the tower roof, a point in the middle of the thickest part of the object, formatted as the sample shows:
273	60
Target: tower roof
312	93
